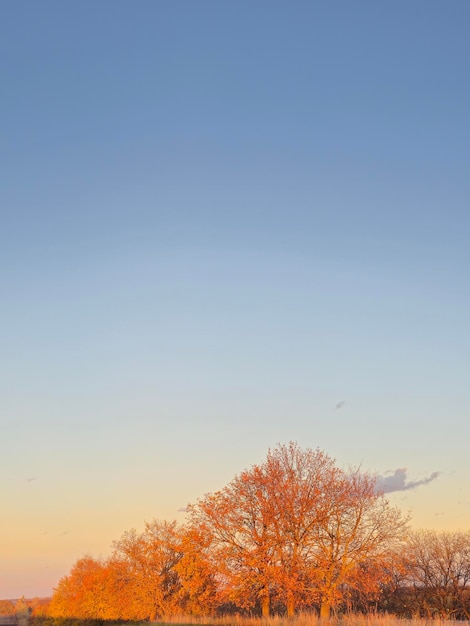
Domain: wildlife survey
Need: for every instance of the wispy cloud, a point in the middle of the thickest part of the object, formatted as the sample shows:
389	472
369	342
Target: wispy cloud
398	481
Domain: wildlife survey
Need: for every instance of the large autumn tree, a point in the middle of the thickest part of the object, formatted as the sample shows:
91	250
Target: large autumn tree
295	528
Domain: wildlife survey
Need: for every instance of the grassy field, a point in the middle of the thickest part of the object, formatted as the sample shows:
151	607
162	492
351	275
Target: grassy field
306	619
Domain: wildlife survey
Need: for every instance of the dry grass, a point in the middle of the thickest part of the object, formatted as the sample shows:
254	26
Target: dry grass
310	619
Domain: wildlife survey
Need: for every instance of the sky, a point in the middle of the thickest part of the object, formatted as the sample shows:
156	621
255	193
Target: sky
224	226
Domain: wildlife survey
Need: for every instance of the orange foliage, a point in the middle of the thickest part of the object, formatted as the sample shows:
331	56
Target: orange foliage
7	607
294	528
80	594
150	559
295	531
199	590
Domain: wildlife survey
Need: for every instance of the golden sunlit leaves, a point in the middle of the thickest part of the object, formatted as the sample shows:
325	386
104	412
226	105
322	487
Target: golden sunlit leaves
295	527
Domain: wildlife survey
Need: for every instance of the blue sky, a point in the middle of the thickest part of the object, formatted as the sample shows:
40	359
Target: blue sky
220	219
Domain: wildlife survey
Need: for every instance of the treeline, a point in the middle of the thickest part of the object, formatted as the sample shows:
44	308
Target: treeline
293	533
22	606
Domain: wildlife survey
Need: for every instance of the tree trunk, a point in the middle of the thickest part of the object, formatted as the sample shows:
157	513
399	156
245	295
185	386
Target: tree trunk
265	608
325	609
290	605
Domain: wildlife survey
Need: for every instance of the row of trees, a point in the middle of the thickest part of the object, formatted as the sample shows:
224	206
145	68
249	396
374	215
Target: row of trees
430	577
295	532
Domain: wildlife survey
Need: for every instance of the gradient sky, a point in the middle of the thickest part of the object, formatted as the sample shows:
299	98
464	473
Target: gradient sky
218	221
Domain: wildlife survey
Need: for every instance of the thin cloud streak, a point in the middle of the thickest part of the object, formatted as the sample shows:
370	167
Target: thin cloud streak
398	481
